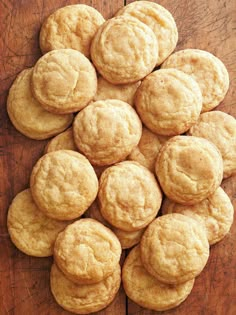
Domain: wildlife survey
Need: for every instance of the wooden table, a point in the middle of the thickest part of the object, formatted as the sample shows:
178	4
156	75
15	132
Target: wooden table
24	280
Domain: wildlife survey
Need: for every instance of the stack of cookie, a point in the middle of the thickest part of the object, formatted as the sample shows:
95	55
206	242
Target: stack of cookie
125	150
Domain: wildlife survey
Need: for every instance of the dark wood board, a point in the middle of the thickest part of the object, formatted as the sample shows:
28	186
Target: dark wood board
24	280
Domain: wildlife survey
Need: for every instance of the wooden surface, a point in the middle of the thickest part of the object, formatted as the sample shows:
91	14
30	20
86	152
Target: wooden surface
24	280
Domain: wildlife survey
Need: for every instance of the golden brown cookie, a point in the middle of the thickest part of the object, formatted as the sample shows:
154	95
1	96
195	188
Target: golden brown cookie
220	129
129	196
168	102
123	92
147	149
107	131
87	251
63	141
124	50
72	26
189	169
174	248
28	116
159	20
147	291
30	230
63	184
208	70
64	81
85	298
216	213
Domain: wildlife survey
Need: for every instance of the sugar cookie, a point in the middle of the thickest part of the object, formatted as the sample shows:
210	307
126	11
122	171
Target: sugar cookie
124	50
147	291
87	251
63	141
208	70
129	196
174	248
63	184
189	169
64	81
28	116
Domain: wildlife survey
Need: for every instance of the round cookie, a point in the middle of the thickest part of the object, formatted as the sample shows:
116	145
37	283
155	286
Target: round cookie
189	169
87	298
159	20
127	60
64	81
107	131
30	230
147	291
220	129
72	26
63	141
93	212
209	72
87	251
129	196
28	116
123	92
216	213
174	248
168	102
63	184
147	149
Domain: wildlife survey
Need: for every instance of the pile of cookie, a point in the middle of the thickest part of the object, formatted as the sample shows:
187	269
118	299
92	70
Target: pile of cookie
139	134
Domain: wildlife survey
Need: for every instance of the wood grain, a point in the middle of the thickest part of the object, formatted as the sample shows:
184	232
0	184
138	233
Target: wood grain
24	280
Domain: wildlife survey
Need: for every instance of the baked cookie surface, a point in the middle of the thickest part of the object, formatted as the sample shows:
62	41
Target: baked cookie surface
208	71
63	184
63	141
174	248
129	196
28	116
123	92
189	169
147	291
107	131
215	213
127	60
84	299
64	81
168	101
72	26
87	251
30	230
159	20
219	128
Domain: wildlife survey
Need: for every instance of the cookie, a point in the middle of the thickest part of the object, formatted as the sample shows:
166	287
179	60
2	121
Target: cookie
168	102
107	131
123	92
147	291
129	196
174	248
208	70
145	153
87	251
189	169
72	26
216	214
87	298
64	81
127	239
28	116
220	129
63	184
124	50
30	230
159	20
63	141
